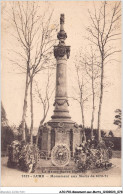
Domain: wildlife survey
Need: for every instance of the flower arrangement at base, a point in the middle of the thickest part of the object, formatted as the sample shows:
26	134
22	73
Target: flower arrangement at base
89	156
28	157
13	154
24	155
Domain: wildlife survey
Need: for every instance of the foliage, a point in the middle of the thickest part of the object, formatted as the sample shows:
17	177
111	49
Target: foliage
26	129
3	115
23	155
95	133
87	157
7	137
118	119
111	134
113	142
103	133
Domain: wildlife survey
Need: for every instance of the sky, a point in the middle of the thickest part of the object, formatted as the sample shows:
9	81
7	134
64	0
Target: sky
76	19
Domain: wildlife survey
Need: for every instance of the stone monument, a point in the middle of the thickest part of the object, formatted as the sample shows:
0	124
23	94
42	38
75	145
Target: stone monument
61	129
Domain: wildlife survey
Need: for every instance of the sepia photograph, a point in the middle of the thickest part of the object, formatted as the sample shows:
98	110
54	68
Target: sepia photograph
61	94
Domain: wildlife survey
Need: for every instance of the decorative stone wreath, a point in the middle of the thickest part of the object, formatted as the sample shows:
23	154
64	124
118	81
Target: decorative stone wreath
61	124
60	155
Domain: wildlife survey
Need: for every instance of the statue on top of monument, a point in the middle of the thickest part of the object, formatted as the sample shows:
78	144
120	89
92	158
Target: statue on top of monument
61	49
62	19
62	34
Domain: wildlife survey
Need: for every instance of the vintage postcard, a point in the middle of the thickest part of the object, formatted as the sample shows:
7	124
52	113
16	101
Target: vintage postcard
61	94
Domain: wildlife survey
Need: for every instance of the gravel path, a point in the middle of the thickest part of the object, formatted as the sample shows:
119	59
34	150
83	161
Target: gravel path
112	176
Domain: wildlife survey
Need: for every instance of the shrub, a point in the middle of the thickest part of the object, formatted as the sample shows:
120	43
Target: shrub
23	155
115	140
7	137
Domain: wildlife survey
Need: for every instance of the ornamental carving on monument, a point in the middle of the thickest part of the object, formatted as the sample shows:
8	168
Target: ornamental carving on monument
61	51
62	35
60	155
60	103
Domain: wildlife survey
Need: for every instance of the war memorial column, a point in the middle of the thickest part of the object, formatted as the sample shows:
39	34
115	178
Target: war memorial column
61	53
61	133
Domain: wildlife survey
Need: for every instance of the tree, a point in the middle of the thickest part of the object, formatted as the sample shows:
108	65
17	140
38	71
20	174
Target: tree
104	31
103	133
35	34
93	71
110	134
7	137
7	133
88	72
4	120
81	93
118	118
44	95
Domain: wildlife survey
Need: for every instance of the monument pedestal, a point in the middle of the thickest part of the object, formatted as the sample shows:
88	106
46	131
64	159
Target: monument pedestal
66	133
54	133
